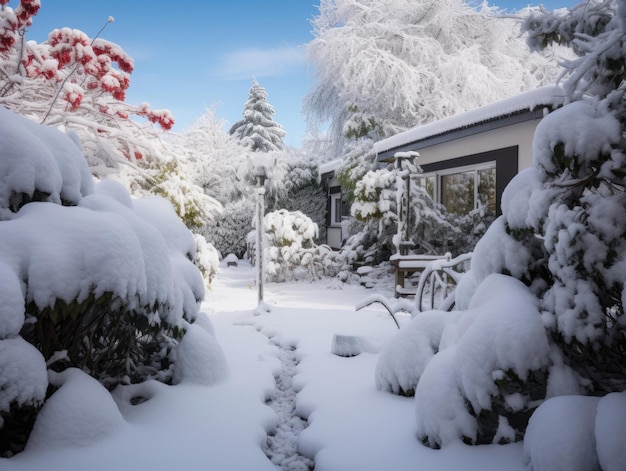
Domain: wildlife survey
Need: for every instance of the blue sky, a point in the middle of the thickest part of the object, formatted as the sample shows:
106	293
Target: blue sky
194	55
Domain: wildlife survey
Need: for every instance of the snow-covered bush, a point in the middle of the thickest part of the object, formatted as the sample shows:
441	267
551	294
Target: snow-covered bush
290	250
207	259
92	279
227	232
301	191
491	367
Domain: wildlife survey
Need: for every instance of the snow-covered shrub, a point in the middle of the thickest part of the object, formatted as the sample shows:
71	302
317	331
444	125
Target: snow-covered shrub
207	259
228	231
555	445
91	278
301	191
80	401
491	366
192	205
290	250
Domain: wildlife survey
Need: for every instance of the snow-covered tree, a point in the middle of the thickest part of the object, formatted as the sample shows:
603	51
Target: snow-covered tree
75	81
542	307
216	159
384	66
78	83
257	130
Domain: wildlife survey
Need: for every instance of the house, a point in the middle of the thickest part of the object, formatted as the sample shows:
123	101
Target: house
468	159
338	208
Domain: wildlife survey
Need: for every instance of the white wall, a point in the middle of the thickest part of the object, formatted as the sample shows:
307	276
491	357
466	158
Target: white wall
520	134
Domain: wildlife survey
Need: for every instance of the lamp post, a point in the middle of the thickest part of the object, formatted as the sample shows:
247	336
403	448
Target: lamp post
260	210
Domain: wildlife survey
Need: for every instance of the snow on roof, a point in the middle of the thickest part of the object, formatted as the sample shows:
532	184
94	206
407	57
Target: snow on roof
549	95
328	167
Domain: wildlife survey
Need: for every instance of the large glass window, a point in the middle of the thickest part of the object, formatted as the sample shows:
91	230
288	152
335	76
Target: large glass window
457	192
464	189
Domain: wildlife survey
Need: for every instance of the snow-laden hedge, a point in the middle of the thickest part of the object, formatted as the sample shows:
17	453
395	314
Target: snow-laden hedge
92	278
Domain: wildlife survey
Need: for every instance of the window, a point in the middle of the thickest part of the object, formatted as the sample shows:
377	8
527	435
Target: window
335	209
462	190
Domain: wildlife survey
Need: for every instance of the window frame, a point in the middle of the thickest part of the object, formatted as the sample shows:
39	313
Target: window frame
336	217
506	159
475	169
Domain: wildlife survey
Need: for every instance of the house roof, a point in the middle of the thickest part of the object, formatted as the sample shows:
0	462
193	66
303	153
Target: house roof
329	167
528	105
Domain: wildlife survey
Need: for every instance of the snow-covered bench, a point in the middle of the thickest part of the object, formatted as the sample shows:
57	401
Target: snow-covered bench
436	288
407	265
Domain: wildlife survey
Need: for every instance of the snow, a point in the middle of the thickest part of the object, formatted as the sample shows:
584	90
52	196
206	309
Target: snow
351	424
594	131
80	413
199	358
23	377
548	95
51	164
253	384
610	432
560	435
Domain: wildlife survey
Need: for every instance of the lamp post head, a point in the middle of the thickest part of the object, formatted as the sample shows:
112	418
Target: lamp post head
261	175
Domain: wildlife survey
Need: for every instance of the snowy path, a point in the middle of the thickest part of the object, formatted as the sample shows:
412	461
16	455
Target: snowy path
351	425
282	443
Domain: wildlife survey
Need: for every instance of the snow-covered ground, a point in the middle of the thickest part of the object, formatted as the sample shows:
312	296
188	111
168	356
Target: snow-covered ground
351	424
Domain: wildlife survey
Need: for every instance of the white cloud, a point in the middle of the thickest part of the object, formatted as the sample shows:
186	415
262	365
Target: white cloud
257	62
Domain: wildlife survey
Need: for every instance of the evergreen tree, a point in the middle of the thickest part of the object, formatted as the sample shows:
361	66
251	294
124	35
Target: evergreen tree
257	129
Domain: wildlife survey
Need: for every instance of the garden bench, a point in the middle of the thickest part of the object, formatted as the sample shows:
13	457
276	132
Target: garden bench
407	265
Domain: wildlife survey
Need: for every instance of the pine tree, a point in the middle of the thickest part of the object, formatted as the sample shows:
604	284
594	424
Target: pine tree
257	130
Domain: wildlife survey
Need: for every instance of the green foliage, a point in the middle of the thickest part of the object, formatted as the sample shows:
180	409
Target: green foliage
303	192
359	125
190	203
228	231
105	337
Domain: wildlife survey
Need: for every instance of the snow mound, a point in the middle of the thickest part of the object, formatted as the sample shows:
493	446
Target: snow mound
611	432
81	412
114	190
199	358
560	435
23	378
404	357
